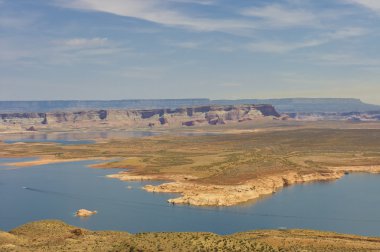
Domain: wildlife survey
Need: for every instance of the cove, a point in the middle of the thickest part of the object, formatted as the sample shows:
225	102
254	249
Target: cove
56	191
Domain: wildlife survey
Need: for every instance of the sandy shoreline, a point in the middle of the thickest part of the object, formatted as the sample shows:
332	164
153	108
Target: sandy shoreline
50	160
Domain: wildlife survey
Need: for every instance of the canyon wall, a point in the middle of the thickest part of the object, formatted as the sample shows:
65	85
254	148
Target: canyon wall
187	116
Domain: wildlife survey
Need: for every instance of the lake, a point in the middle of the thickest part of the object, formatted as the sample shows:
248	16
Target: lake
72	138
56	191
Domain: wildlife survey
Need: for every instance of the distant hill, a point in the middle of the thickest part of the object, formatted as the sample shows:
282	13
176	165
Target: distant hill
289	105
309	105
51	106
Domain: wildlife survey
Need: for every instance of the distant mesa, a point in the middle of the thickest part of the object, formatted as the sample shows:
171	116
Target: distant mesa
40	115
285	105
85	213
140	118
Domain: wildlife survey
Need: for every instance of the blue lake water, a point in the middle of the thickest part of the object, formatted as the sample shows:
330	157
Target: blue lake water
56	191
72	138
59	141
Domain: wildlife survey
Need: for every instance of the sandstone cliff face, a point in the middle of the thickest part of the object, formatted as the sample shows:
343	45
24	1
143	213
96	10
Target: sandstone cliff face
191	116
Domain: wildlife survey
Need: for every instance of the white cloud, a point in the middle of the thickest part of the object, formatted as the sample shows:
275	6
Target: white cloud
185	44
83	42
283	47
280	16
344	59
157	11
373	5
347	33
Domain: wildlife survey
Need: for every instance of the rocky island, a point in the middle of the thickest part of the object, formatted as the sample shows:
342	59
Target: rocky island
85	213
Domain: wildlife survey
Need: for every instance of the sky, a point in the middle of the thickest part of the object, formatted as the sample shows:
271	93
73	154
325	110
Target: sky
218	49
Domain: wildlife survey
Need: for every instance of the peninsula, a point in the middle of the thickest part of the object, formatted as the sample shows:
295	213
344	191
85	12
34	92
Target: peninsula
225	169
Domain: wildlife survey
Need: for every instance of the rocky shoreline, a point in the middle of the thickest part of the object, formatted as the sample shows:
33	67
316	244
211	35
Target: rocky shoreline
196	194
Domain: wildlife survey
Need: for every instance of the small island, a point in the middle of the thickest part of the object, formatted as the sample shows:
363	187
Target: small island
85	213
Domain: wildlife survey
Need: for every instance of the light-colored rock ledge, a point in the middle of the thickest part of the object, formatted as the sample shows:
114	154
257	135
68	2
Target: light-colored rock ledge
85	213
228	195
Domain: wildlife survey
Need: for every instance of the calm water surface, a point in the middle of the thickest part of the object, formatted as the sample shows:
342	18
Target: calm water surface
64	142
56	191
72	138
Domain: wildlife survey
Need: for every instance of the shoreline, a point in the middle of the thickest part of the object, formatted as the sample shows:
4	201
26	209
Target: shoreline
50	160
198	194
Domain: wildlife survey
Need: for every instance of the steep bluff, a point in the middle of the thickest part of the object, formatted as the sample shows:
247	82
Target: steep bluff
187	116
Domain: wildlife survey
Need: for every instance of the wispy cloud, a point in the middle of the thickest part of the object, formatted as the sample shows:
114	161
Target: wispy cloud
373	5
281	16
184	44
343	59
82	42
283	47
13	20
63	52
158	11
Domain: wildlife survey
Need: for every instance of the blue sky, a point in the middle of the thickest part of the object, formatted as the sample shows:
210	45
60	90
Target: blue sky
128	49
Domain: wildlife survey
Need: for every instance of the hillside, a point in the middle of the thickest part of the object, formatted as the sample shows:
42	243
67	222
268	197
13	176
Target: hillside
58	236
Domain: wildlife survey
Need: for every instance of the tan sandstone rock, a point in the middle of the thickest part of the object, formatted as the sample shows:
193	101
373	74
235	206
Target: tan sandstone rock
85	213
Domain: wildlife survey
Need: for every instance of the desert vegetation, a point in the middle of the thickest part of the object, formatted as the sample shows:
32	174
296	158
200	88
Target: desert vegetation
57	236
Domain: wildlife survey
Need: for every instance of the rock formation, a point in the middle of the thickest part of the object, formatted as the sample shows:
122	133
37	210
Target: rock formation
85	213
229	195
190	116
